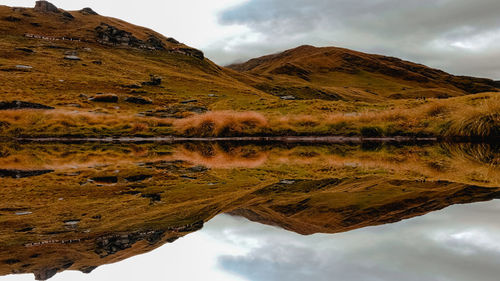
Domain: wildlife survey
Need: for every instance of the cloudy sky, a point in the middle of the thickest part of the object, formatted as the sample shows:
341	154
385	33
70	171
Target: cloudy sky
458	36
460	243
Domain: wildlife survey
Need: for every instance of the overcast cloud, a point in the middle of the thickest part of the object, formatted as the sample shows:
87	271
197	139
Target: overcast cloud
459	36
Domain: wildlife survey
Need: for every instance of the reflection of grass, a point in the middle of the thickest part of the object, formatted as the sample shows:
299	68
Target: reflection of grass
466	163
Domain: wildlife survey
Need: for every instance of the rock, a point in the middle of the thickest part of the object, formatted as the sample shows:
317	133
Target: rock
153	197
191	52
155	42
153	81
6	105
197	169
138	178
97	62
172	40
105	180
45	7
68	15
288	98
12	19
88	11
105	98
17	174
188	101
46	273
71	222
111	35
138	100
87	269
20	66
26	50
72	57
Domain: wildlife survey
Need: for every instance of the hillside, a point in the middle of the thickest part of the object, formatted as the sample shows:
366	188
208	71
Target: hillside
331	73
65	58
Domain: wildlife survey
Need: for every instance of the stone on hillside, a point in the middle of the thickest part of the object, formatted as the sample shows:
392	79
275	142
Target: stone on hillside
45	7
68	15
72	57
21	66
172	40
26	50
153	81
6	105
104	98
88	11
188	101
12	19
288	98
138	100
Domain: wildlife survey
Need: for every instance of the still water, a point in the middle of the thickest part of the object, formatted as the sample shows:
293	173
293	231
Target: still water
249	212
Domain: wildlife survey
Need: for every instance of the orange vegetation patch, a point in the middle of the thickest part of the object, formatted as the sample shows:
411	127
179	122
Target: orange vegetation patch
226	123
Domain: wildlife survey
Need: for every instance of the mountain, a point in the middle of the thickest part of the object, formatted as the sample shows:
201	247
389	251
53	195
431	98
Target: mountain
340	74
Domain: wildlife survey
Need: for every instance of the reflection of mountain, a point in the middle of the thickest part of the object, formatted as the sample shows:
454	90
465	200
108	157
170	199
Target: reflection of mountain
100	206
331	206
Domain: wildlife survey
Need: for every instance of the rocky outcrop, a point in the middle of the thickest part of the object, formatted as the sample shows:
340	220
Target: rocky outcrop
6	105
88	11
46	273
45	7
111	35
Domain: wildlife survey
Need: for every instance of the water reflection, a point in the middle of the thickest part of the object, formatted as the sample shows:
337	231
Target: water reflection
81	206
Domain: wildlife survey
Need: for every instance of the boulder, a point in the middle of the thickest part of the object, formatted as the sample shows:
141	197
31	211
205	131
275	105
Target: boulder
45	7
153	81
138	100
6	105
72	57
104	98
88	11
68	15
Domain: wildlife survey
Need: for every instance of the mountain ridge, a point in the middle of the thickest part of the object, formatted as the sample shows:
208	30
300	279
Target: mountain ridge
316	66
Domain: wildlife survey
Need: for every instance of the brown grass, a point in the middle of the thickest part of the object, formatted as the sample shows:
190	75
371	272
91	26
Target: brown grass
478	121
222	123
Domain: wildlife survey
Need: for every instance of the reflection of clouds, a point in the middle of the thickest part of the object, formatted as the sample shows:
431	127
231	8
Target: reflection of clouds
459	243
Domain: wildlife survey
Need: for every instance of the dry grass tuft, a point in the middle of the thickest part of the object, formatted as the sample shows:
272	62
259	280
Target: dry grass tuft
222	123
478	121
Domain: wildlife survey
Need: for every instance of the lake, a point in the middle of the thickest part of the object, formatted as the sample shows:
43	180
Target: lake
249	211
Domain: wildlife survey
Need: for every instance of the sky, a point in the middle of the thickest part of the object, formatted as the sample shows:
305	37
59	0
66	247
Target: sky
460	243
458	36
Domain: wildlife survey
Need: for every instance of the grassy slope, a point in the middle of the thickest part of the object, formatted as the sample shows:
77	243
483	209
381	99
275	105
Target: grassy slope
335	188
67	85
354	76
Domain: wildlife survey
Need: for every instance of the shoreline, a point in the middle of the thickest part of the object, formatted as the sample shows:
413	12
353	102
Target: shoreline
279	139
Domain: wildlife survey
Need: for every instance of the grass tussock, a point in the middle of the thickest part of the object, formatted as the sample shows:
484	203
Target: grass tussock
477	121
223	123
